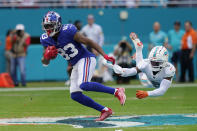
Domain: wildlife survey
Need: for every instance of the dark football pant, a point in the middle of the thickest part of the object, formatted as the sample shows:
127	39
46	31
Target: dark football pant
186	64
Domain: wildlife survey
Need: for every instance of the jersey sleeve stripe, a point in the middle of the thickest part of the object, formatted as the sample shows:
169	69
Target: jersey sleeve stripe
86	70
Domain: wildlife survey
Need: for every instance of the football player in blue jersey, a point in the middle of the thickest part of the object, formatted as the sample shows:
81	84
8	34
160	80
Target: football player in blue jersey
67	41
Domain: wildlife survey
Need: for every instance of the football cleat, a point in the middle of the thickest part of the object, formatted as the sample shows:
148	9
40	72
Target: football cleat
120	94
105	114
136	41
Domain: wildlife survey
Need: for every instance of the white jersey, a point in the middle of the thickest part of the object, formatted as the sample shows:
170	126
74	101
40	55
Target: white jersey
155	79
94	33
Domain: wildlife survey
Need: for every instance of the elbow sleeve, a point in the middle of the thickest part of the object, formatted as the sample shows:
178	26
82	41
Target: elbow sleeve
165	84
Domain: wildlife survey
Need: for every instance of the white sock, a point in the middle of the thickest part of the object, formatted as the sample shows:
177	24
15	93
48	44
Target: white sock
115	91
106	109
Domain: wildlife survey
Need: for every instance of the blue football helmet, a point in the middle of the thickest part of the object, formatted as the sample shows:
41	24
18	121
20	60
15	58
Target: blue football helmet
52	23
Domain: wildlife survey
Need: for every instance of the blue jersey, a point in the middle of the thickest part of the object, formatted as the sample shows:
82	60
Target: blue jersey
67	47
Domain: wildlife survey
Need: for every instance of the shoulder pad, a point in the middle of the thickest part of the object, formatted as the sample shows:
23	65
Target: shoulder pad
169	70
142	65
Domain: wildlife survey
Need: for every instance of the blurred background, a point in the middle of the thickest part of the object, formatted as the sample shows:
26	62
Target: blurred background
171	23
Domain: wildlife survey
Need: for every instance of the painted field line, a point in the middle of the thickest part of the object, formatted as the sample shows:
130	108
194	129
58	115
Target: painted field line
34	89
173	85
67	88
111	122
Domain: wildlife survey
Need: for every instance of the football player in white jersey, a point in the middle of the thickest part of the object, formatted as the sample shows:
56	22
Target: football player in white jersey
155	71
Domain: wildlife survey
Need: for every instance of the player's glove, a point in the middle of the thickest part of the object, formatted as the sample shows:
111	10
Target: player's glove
141	94
50	53
111	59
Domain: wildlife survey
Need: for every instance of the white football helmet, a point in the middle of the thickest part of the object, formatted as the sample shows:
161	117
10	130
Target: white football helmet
158	58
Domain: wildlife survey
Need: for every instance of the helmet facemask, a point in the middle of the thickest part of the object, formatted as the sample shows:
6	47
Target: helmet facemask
158	58
157	65
51	27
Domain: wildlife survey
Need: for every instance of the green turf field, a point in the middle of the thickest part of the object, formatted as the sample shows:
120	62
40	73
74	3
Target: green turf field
57	103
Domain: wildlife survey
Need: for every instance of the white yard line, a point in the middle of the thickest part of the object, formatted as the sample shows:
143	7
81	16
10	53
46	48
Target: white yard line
66	88
33	89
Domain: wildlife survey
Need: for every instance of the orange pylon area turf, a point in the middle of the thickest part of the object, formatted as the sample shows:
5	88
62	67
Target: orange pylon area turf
6	80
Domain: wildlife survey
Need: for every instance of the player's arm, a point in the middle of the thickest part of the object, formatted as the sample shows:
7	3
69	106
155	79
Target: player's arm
82	39
140	67
164	85
124	72
130	71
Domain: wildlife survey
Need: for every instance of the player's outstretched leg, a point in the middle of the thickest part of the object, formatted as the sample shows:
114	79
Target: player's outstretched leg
87	101
138	47
81	74
97	87
86	67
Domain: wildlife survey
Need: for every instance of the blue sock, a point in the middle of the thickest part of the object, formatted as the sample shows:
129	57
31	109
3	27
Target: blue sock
85	100
94	86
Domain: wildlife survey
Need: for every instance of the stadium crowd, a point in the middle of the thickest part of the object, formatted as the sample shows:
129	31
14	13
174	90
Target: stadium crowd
96	3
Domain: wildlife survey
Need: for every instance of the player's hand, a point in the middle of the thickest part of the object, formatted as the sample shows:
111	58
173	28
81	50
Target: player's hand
111	59
141	94
50	53
133	36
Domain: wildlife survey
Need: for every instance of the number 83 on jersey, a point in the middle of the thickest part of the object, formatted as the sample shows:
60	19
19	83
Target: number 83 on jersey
68	51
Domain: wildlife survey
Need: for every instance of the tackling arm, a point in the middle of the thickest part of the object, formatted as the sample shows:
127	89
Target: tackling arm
130	71
165	84
124	72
